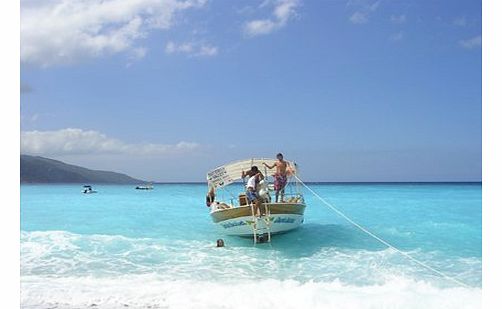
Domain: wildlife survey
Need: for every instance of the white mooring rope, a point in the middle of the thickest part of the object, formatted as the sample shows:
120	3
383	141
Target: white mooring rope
380	239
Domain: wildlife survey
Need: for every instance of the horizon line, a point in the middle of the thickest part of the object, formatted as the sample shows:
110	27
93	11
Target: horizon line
307	182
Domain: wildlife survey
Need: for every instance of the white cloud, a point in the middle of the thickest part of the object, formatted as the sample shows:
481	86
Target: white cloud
398	19
284	10
207	50
192	49
471	43
358	18
65	31
364	9
138	53
79	142
172	48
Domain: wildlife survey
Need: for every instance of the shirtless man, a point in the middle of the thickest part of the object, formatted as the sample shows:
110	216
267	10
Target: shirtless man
281	176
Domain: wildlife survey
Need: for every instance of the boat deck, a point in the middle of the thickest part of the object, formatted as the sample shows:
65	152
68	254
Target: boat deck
244	211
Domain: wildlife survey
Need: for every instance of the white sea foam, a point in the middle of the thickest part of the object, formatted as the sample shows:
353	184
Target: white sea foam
64	254
67	270
152	291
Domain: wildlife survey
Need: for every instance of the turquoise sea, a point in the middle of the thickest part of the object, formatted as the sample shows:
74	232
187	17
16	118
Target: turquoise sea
126	248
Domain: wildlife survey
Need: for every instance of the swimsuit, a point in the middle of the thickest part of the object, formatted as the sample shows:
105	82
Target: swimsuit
251	195
280	182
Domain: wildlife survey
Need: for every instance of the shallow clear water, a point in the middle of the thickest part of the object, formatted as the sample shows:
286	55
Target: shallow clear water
156	249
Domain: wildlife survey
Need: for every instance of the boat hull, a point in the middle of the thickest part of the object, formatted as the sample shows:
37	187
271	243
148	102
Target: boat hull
239	221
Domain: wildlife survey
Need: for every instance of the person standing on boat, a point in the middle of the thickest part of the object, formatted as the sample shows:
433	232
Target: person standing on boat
280	176
251	188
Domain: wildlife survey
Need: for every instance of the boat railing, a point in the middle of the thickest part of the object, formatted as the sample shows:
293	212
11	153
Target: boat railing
289	198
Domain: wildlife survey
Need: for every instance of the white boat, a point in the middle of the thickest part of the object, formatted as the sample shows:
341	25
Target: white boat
145	187
88	190
232	212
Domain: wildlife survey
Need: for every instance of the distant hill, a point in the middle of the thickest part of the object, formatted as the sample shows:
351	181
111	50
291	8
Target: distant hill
36	169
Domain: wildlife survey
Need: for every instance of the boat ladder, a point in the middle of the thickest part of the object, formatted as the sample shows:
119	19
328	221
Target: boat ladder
266	219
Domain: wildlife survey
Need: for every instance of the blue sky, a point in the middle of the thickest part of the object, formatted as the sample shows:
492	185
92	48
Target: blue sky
166	90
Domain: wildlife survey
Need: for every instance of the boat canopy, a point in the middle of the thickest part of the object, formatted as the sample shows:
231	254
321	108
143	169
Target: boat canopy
231	172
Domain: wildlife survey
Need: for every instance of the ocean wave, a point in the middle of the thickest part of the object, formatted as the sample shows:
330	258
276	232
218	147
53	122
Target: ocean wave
153	291
64	254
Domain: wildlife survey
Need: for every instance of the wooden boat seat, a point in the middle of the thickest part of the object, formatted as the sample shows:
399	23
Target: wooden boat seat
223	206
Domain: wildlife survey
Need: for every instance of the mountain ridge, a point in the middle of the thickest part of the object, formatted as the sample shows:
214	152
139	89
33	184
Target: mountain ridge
36	169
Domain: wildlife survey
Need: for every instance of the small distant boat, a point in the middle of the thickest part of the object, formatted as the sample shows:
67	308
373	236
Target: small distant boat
145	187
88	190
